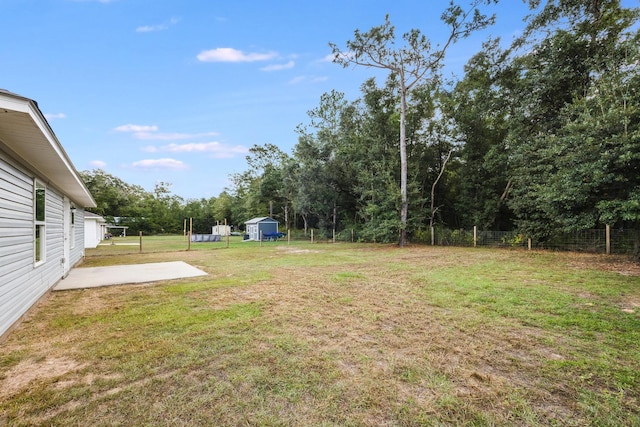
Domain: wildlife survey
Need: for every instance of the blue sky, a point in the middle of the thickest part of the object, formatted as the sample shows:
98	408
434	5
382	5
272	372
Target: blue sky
179	90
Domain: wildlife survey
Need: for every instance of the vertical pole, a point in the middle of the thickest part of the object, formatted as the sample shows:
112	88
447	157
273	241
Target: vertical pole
529	243
190	233
352	235
260	237
335	221
288	236
286	217
140	241
312	235
475	236
608	238
226	231
433	236
184	229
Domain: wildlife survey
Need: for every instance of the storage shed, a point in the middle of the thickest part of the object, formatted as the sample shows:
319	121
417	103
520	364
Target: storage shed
42	201
221	230
95	228
265	225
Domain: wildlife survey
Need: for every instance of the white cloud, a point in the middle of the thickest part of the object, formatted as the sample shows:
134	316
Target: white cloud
278	67
150	133
158	27
152	136
296	80
311	79
49	116
344	55
136	128
216	149
151	28
228	54
159	164
193	147
98	164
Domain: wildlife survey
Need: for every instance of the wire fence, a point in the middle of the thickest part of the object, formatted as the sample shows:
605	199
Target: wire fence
615	241
612	240
607	240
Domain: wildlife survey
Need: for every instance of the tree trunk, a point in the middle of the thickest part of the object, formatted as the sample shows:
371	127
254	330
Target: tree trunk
503	198
286	216
335	220
434	209
404	207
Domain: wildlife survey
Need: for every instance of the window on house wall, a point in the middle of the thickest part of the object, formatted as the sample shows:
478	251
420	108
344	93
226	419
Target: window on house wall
39	221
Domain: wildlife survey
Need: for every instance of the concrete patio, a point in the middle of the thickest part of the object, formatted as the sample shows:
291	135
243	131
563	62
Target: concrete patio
92	277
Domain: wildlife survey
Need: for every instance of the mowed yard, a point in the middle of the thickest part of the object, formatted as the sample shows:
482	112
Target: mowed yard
334	335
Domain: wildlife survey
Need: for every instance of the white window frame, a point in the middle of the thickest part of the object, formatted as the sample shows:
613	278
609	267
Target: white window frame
72	229
39	224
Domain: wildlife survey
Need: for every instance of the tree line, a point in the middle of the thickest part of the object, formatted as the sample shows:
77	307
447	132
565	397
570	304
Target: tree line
158	211
541	136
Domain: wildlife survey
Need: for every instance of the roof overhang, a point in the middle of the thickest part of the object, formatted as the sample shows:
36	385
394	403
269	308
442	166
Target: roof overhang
261	219
94	217
25	132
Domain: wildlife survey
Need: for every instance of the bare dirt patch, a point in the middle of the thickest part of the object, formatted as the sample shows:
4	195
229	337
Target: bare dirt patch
24	373
611	263
630	305
295	250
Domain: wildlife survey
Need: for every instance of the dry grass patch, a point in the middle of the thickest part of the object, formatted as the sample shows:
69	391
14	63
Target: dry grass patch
20	376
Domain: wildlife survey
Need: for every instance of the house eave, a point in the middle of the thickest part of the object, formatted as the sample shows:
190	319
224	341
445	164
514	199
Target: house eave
25	132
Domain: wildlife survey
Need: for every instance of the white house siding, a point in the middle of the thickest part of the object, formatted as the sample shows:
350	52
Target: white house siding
22	284
55	235
94	230
77	250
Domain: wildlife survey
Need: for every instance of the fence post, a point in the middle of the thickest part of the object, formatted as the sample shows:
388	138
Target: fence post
227	232
190	234
433	237
475	236
529	243
140	241
608	239
312	235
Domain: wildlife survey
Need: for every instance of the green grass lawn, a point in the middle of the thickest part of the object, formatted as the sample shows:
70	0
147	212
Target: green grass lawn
334	335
